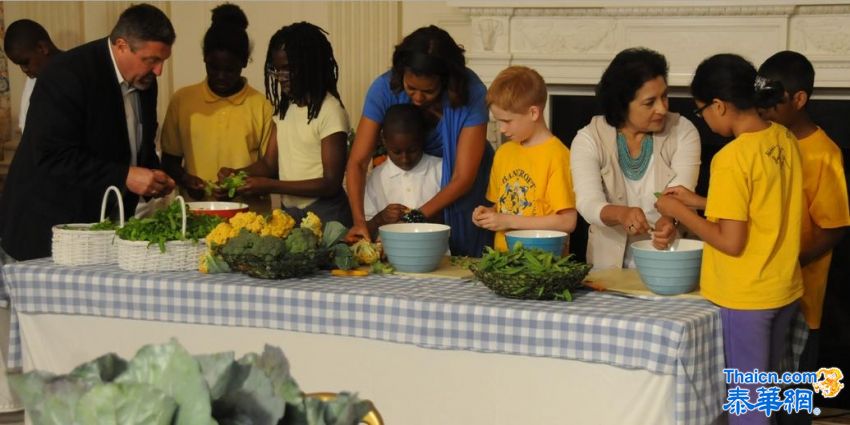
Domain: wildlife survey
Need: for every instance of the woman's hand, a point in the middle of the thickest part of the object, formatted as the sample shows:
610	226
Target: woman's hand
685	196
634	221
664	233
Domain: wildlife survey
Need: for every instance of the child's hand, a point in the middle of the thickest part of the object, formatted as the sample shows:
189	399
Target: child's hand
634	221
479	212
670	206
392	214
491	220
225	172
254	186
194	185
357	232
685	196
664	233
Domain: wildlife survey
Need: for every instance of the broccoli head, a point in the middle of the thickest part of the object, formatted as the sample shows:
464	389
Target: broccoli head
301	240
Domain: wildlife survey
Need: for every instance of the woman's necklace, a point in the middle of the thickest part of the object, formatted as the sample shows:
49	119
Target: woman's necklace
634	168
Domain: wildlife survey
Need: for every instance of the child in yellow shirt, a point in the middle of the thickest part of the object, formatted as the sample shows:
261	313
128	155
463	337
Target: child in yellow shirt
826	213
221	121
752	226
530	181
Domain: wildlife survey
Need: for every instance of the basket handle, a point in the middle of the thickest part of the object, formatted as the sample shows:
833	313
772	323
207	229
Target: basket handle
120	204
183	210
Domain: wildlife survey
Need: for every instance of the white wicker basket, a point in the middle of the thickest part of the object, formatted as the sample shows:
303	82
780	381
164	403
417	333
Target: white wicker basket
79	247
143	256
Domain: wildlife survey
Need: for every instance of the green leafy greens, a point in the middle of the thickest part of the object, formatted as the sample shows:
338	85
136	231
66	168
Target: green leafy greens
230	183
164	385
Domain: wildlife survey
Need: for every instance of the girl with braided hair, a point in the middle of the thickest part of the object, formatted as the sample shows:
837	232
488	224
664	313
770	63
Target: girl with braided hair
305	159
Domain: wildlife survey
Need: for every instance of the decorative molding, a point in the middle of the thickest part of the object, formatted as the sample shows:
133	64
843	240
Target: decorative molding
488	11
826	35
836	9
489	31
550	36
659	11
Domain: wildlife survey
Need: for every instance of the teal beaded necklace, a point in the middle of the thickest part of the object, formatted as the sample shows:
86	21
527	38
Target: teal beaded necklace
634	168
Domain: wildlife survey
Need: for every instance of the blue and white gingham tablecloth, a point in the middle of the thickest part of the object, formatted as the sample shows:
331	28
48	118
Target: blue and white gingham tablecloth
666	336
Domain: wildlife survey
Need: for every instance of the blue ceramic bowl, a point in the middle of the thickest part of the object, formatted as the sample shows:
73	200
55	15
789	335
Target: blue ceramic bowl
670	272
415	247
546	240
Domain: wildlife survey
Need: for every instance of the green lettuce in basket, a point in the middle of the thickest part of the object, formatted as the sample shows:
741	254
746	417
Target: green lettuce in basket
165	385
529	273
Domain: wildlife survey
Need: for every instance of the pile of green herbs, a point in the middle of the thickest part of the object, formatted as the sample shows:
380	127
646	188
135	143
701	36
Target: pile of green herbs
529	273
165	385
106	224
166	224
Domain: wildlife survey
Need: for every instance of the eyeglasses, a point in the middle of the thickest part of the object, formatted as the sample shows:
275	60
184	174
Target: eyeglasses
698	111
279	75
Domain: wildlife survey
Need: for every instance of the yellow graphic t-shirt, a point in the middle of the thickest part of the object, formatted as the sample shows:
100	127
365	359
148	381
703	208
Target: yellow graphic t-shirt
826	206
756	178
530	181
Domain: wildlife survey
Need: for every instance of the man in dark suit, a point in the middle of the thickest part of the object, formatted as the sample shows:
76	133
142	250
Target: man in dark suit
91	124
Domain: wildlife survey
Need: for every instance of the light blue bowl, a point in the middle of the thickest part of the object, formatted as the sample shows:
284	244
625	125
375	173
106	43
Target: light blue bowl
546	240
415	247
671	272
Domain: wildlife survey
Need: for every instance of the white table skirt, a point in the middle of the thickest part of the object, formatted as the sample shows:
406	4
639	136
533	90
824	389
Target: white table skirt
8	401
410	385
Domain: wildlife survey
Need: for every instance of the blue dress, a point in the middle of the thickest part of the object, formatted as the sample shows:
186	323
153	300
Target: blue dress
466	238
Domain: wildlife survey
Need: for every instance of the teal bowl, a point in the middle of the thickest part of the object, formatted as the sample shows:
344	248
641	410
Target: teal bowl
669	272
546	240
415	247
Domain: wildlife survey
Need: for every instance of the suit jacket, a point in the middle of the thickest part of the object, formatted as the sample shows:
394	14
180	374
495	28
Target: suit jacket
75	145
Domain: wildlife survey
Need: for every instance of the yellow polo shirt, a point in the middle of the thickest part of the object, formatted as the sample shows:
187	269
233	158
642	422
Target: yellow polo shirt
826	206
756	178
211	132
530	181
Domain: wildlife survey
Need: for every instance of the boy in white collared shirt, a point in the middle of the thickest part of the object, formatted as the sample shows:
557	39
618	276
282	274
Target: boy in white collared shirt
410	177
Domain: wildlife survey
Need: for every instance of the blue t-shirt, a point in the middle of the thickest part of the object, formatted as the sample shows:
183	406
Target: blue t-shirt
442	142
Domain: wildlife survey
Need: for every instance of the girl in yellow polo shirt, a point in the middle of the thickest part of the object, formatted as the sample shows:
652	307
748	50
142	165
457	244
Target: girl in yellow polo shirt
221	121
752	225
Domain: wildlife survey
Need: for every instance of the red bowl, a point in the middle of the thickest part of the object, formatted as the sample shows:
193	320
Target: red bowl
221	209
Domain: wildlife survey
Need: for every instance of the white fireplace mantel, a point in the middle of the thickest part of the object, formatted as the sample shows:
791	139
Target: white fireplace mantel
571	42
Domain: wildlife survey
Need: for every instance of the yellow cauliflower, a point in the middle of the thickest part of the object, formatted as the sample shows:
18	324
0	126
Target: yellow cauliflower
314	223
278	225
202	266
221	234
250	221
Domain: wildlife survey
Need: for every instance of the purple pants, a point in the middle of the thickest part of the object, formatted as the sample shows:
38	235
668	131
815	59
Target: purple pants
755	339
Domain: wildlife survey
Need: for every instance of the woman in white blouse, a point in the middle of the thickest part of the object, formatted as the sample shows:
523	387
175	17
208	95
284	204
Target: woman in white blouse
622	158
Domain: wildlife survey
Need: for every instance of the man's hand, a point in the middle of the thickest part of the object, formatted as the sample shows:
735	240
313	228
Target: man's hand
148	182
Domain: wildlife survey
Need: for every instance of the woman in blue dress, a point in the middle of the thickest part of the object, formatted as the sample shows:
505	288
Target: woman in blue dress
429	70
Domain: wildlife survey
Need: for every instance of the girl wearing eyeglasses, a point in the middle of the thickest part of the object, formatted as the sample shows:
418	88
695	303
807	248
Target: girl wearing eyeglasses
305	160
753	213
221	121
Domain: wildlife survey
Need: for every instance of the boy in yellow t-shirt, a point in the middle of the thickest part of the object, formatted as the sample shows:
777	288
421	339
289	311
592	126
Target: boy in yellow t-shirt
826	213
753	209
530	182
